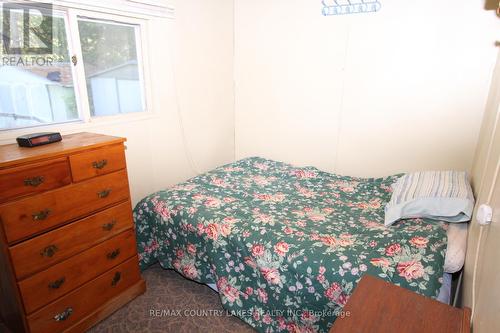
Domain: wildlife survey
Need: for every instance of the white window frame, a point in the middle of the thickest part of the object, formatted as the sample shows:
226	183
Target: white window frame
86	121
142	61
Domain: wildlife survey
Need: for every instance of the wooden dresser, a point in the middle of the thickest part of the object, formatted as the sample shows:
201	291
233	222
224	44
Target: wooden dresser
68	252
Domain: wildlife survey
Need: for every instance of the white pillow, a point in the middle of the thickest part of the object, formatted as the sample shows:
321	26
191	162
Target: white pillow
439	195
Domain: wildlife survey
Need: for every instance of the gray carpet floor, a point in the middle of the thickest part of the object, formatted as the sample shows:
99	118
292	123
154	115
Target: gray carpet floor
167	290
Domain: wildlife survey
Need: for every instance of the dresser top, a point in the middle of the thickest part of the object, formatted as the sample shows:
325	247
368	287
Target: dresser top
377	306
12	154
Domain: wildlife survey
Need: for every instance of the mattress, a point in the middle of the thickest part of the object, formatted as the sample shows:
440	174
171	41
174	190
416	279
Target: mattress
444	292
457	247
286	246
454	260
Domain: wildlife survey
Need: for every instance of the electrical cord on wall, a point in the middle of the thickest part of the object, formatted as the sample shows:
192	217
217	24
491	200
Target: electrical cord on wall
478	246
187	150
474	276
490	194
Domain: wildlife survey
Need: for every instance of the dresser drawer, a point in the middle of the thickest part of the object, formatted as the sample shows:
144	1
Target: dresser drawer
33	215
46	250
67	311
97	162
65	276
32	179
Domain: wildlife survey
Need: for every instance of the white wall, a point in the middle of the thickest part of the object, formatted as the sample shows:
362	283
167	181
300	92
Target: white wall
204	75
200	39
367	94
324	91
486	177
201	36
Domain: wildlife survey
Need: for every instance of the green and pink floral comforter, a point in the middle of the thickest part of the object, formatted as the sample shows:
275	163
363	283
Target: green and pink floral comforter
286	245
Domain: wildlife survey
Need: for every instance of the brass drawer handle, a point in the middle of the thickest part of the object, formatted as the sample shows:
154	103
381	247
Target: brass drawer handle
40	216
104	193
35	181
114	254
109	226
57	283
63	315
49	251
99	164
116	278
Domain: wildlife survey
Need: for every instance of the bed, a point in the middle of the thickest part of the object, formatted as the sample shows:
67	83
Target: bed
285	246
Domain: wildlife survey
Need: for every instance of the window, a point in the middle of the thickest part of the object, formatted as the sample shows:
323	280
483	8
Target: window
95	68
32	90
111	68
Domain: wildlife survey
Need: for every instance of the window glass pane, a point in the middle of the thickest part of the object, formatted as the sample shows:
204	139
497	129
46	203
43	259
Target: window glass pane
111	68
36	89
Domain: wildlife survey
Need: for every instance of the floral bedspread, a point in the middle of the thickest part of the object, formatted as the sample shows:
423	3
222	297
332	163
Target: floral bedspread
286	245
